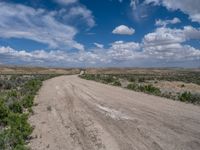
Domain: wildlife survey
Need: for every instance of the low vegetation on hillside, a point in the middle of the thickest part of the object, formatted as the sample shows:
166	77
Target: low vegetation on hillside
148	83
17	94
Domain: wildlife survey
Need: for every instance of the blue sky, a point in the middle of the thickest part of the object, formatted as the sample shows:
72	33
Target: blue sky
100	33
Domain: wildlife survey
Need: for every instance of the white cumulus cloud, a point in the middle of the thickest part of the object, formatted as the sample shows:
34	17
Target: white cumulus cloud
167	44
123	30
160	22
190	7
191	32
123	51
20	21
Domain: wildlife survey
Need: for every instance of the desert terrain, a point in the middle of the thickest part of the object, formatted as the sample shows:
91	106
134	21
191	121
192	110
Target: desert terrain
99	109
77	114
99	74
37	70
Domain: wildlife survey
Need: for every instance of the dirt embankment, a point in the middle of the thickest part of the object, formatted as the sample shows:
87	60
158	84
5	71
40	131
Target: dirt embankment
76	114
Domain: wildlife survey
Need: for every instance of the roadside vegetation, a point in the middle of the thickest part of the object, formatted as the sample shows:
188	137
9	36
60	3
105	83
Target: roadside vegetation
148	83
17	94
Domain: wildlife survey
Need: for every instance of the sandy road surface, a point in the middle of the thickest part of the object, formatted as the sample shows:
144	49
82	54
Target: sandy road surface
76	114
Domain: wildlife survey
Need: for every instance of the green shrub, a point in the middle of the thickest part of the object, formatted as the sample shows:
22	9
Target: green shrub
117	83
189	97
5	140
132	86
195	98
186	96
4	112
152	90
11	139
17	132
27	101
20	147
32	86
12	93
16	107
108	79
19	125
88	76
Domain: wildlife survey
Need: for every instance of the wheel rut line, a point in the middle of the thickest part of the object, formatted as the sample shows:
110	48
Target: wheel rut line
102	118
87	139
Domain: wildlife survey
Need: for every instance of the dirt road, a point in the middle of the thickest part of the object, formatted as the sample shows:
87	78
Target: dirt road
76	114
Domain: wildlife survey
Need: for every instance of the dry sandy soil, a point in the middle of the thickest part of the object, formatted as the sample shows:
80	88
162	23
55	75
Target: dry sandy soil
76	114
176	86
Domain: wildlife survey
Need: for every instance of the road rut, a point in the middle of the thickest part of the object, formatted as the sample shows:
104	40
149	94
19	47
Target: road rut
77	114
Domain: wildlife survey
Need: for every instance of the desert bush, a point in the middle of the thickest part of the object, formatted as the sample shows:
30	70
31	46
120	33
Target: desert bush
152	90
12	93
16	107
27	101
195	98
12	138
11	99
18	128
116	83
32	86
184	76
21	147
185	96
132	86
108	79
190	97
5	140
19	124
4	111
88	76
